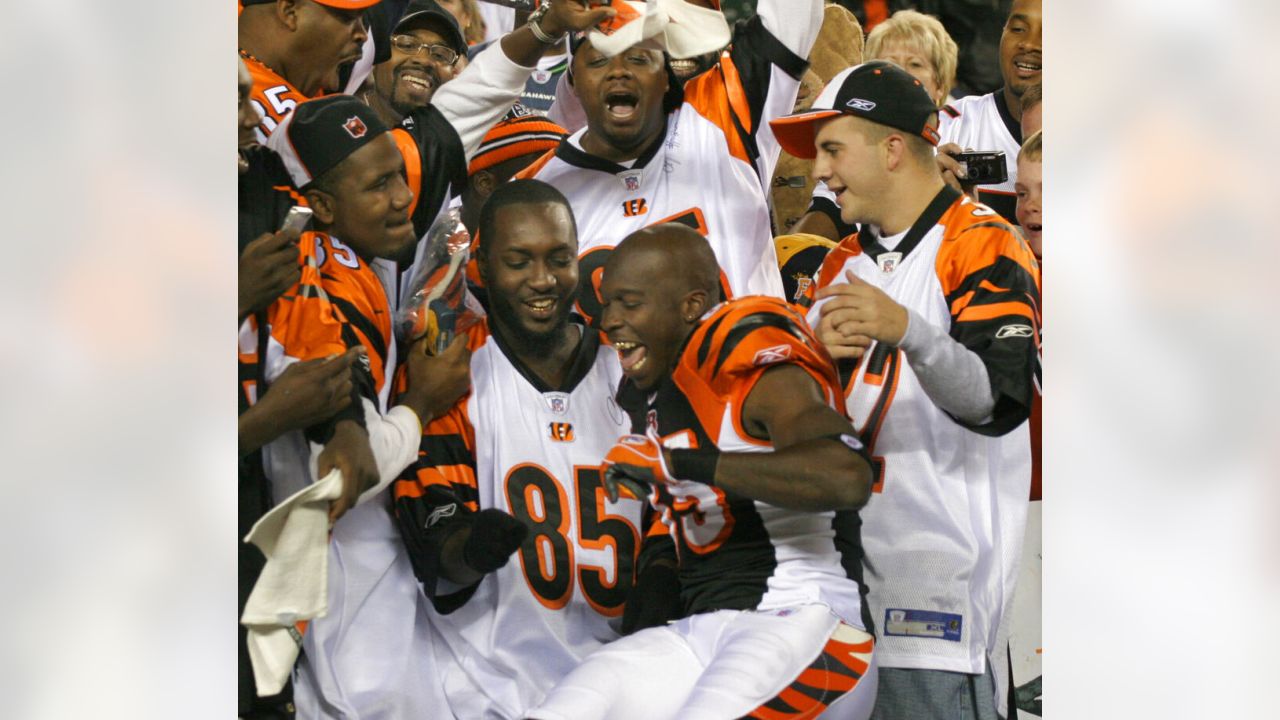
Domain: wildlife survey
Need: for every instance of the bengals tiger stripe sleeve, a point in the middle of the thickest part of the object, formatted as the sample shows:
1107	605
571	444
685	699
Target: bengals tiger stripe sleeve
757	79
436	490
324	314
737	347
991	283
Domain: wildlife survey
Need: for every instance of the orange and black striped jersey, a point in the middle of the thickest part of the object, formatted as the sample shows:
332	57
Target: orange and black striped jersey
534	451
272	95
337	303
734	552
958	490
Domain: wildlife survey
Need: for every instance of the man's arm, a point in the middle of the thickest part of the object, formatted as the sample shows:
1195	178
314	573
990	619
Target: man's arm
816	464
856	313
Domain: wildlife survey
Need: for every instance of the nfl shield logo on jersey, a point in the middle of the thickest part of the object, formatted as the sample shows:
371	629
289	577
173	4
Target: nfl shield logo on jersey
631	180
888	262
557	403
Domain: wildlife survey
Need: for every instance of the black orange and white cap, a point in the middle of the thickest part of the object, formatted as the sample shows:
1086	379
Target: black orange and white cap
522	132
878	91
321	133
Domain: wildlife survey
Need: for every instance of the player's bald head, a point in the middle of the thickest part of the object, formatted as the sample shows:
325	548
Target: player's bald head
673	255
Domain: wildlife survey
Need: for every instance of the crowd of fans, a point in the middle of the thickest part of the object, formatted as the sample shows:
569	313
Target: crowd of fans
749	385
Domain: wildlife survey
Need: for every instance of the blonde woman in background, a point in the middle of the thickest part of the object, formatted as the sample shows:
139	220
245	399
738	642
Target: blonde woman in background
920	45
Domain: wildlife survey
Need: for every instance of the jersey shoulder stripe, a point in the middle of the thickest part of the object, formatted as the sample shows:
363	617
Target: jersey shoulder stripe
733	347
412	163
718	96
974	240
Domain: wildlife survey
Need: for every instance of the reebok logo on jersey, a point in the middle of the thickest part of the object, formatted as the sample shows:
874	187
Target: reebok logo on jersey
355	127
860	104
561	432
1015	331
771	355
441	513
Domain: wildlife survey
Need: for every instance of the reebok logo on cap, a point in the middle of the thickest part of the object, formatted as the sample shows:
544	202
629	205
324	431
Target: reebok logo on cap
321	133
878	91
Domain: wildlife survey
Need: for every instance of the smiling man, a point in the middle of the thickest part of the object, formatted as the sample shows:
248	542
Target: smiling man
932	312
294	49
514	467
650	154
991	121
425	46
739	447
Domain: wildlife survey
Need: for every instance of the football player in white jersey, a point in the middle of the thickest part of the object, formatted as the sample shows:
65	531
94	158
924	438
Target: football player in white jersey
741	448
653	153
991	121
932	312
514	467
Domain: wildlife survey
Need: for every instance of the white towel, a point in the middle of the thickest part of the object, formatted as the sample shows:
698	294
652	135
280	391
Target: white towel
674	26
294	537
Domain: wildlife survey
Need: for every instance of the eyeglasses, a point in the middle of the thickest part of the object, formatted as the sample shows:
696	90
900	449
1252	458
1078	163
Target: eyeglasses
410	46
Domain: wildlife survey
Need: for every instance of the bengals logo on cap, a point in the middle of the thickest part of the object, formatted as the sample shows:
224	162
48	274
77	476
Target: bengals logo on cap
355	127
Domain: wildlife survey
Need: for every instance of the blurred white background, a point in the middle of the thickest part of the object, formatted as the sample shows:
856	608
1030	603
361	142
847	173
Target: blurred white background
1161	433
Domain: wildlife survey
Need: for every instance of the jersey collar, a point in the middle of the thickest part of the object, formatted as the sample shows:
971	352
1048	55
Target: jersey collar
583	359
870	242
577	157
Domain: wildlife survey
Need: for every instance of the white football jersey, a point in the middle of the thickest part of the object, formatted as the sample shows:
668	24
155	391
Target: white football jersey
981	122
535	453
943	530
709	171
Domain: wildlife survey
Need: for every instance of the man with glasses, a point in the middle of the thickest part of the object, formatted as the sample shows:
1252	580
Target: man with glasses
427	50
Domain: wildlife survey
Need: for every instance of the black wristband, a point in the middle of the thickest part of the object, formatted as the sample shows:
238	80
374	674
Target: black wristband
695	465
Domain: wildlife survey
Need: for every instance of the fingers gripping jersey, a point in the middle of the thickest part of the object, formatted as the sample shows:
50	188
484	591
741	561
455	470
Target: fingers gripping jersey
736	553
943	530
534	452
705	172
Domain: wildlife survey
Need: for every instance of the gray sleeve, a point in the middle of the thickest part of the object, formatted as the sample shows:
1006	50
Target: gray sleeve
953	376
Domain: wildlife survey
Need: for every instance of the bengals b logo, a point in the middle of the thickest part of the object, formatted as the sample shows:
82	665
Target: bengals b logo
561	432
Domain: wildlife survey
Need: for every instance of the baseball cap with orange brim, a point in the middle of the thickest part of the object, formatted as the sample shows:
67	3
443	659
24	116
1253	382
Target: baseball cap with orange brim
878	91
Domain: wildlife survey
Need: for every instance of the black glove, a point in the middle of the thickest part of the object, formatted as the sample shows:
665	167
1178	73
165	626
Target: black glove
494	536
654	599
